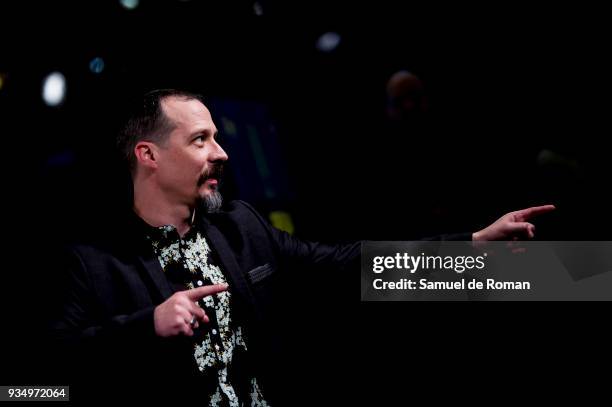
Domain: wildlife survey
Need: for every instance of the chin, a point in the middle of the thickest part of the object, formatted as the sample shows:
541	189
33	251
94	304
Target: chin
212	201
206	192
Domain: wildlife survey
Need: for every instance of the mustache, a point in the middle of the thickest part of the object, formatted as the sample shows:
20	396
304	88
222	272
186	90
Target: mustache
214	171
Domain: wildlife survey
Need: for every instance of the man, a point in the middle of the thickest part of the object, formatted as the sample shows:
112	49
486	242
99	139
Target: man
179	297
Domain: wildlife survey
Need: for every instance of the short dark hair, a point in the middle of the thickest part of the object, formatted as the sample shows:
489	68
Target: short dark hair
147	121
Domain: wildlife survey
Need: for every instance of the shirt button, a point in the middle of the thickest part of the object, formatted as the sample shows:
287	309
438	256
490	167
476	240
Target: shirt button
214	331
200	282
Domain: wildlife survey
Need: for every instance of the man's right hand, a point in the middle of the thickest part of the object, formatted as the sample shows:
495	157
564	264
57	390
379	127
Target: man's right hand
173	316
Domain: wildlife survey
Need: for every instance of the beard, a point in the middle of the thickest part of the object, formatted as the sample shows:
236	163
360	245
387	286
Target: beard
213	201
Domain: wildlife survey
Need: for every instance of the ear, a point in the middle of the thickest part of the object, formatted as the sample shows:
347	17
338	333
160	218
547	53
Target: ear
146	154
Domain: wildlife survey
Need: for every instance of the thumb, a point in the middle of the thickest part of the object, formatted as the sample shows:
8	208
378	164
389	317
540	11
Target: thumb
522	228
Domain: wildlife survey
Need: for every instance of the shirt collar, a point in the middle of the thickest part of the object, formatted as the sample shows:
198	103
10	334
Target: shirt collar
165	233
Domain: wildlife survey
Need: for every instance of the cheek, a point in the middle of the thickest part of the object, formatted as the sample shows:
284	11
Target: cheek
186	166
187	163
178	170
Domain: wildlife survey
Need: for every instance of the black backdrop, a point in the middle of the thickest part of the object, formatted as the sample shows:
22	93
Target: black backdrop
505	83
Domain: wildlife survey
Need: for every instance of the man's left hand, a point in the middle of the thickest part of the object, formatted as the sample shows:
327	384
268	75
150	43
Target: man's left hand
513	225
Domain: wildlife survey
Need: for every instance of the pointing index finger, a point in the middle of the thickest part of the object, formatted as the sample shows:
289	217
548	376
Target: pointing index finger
525	214
196	294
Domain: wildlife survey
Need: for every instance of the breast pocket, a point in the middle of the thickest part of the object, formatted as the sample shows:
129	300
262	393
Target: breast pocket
261	273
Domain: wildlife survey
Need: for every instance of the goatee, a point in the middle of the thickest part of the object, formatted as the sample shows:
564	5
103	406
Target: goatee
212	202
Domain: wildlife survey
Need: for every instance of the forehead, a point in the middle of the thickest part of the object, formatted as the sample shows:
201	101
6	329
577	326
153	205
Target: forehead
188	114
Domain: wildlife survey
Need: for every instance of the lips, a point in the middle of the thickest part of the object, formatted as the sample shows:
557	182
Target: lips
212	176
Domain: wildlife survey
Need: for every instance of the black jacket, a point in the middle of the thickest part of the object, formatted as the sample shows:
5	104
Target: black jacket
104	319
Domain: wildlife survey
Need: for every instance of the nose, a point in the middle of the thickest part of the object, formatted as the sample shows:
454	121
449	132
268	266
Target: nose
218	154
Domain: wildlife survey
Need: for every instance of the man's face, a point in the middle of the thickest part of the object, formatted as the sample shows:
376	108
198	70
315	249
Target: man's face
190	161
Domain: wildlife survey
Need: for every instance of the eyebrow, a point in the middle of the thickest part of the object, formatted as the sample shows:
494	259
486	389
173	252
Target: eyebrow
205	132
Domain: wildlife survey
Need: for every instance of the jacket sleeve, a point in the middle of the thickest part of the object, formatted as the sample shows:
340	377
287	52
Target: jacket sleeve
77	317
319	254
87	343
86	340
293	249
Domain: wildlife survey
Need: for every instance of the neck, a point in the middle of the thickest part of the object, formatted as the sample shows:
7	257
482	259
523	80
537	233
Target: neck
157	209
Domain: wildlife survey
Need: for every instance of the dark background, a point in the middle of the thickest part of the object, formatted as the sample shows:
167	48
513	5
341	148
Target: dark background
504	82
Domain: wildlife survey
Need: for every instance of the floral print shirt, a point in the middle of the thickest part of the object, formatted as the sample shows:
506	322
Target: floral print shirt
221	344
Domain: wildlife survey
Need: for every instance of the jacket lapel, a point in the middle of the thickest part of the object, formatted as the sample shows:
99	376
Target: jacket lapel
148	263
224	252
151	264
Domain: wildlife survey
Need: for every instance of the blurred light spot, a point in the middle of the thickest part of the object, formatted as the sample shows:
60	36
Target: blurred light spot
2	80
96	65
282	220
328	42
258	9
229	127
129	4
54	89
